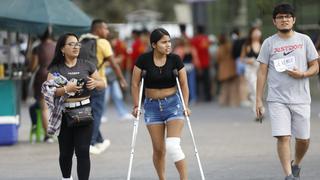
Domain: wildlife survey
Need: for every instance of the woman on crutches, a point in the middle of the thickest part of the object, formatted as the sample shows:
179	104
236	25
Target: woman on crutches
163	111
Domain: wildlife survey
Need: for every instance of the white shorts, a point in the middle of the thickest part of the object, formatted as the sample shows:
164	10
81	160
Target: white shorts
290	119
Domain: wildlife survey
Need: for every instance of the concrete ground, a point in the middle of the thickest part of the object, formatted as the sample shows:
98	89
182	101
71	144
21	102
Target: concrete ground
231	146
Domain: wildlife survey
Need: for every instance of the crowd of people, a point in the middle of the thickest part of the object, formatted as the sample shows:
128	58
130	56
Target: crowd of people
226	69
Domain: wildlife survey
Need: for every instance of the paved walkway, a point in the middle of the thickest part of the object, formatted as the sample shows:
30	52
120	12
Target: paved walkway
230	144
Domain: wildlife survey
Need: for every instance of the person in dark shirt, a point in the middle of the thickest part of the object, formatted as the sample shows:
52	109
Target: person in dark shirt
201	43
66	63
41	58
163	110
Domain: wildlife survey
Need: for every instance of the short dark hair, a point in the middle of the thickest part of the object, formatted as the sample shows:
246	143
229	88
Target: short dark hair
46	35
136	32
145	31
95	23
283	8
182	28
201	29
157	34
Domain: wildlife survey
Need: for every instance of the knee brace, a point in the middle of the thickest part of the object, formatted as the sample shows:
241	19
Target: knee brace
173	148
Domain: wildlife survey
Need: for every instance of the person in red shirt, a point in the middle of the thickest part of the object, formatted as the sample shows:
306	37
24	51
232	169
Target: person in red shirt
120	51
138	48
201	43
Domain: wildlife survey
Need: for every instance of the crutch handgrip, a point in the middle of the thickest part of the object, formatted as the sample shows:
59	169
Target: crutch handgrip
143	73
175	72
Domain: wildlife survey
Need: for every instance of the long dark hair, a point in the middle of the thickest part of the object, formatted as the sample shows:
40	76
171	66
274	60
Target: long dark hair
58	57
248	41
157	34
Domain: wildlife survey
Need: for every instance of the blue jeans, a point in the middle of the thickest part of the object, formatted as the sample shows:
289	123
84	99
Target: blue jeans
192	83
97	105
115	92
160	111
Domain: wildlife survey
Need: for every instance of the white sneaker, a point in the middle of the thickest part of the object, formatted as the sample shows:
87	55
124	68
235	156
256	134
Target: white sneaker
245	103
127	117
104	119
49	140
70	178
94	150
103	146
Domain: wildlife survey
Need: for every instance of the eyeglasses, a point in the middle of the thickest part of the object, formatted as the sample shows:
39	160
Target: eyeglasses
74	44
288	16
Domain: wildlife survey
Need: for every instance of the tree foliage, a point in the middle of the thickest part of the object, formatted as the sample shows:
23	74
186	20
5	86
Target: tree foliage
115	11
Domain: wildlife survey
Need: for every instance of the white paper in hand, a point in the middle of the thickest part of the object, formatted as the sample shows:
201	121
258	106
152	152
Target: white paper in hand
283	64
290	63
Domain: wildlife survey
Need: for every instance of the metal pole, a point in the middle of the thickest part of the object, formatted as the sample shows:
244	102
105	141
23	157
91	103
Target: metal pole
175	72
136	125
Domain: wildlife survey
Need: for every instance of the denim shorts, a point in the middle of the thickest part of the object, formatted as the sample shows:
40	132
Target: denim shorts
160	111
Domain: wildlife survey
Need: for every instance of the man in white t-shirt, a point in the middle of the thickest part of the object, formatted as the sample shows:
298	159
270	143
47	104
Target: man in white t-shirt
287	60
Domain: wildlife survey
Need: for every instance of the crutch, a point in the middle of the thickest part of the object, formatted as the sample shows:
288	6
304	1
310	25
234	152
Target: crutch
136	124
175	72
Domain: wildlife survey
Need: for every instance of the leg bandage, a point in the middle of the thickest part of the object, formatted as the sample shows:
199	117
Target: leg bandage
173	148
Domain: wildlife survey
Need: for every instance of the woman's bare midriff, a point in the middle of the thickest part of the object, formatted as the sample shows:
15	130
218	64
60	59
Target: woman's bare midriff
160	93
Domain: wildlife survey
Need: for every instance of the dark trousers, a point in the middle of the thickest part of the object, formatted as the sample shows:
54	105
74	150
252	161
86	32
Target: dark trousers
204	84
97	104
33	112
75	139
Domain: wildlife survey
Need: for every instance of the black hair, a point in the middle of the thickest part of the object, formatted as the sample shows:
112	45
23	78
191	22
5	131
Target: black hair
283	8
182	28
46	35
145	31
95	23
58	57
248	40
157	34
235	31
201	29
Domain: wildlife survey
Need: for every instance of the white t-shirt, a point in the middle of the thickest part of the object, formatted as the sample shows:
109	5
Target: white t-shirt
282	54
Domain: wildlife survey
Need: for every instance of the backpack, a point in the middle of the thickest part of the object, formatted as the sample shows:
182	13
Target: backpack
88	50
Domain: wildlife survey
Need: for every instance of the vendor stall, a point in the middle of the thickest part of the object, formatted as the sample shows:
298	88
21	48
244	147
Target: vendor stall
32	17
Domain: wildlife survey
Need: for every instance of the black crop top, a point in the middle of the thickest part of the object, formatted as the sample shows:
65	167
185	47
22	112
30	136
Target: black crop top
159	77
251	53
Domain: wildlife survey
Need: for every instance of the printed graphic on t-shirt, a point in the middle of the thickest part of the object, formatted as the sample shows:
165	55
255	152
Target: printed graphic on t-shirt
288	49
283	64
286	53
74	73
